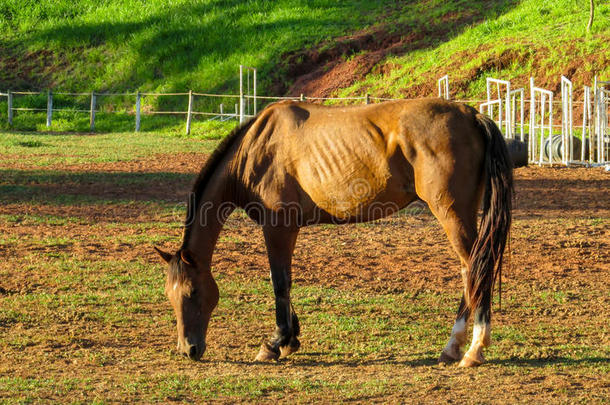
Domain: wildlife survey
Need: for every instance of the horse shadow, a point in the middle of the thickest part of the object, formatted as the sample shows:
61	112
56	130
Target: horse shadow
309	360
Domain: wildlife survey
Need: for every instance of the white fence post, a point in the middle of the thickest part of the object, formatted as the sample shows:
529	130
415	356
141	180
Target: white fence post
92	113
506	108
9	97
254	90
566	120
532	129
542	104
49	108
138	97
513	115
586	122
601	121
242	116
544	95
443	87
189	113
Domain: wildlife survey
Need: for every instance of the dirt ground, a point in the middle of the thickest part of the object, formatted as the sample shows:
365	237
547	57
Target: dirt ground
560	243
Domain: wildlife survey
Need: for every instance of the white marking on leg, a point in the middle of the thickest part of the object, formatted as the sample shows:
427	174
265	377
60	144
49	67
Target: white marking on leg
480	335
458	334
480	339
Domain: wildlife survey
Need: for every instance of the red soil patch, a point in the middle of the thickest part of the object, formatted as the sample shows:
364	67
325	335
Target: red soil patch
338	64
559	244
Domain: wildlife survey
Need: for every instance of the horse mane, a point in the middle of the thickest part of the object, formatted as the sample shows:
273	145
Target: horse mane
206	174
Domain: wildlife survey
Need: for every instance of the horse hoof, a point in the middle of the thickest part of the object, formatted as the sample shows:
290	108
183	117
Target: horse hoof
468	361
266	354
447	359
289	349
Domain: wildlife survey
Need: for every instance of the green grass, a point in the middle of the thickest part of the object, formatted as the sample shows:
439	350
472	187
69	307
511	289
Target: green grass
152	46
156	46
549	37
43	150
83	316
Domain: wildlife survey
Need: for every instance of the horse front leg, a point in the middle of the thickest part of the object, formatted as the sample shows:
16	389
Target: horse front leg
280	246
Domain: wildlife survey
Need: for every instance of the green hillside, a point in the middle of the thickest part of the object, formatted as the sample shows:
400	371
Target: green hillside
539	38
160	45
323	47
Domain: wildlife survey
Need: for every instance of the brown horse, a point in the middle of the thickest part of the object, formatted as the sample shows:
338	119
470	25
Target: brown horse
297	164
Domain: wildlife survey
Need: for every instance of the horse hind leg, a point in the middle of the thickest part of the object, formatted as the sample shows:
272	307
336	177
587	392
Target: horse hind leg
459	222
481	333
452	351
461	232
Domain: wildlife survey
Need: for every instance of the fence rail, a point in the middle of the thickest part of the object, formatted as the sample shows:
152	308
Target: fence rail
501	104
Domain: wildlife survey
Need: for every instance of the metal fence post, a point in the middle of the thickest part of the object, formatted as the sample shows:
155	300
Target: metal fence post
302	98
586	118
367	99
594	148
532	128
189	113
509	126
254	79
92	113
49	108
443	88
242	117
9	96
138	111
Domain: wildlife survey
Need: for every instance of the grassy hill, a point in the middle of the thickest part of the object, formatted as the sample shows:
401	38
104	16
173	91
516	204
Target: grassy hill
161	46
323	47
538	38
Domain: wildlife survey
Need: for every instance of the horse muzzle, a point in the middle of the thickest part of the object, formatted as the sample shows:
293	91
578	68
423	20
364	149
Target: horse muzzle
193	351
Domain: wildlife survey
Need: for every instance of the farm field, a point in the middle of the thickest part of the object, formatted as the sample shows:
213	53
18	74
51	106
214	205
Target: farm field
83	317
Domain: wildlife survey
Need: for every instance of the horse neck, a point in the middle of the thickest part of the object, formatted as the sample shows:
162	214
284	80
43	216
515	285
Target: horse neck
210	215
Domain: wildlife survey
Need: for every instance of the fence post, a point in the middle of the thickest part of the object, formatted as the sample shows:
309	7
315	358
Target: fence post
302	98
92	113
9	96
242	117
189	113
222	107
593	134
532	128
254	79
237	111
138	111
509	125
367	98
49	108
586	113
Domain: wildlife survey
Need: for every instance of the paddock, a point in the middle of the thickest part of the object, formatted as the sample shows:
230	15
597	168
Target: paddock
83	315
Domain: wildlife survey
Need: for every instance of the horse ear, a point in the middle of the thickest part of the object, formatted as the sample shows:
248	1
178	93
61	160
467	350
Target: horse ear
186	257
164	255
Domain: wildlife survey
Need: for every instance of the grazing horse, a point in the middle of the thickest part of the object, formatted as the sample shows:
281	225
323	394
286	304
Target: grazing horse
297	164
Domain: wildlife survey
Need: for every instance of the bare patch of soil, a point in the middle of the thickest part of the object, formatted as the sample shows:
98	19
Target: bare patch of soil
189	162
559	244
331	66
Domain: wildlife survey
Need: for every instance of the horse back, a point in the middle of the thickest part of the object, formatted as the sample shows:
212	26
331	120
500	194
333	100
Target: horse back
342	160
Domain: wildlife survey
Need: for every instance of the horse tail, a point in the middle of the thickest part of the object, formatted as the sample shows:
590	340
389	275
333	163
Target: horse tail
487	252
